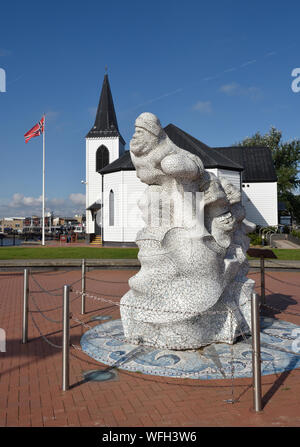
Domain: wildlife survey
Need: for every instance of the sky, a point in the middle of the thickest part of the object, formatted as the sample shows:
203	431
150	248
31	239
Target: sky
219	70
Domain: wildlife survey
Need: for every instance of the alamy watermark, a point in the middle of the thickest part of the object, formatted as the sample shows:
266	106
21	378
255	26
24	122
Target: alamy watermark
2	80
2	340
155	208
296	82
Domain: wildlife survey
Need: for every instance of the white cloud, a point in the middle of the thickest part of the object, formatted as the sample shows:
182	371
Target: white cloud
235	89
271	53
248	63
77	198
22	205
56	202
203	107
229	88
20	200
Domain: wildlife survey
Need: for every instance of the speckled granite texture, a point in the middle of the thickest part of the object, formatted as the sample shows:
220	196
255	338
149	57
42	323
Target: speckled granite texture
192	288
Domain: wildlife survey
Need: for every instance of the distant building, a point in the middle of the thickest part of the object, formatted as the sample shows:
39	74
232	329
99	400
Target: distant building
33	224
113	189
9	224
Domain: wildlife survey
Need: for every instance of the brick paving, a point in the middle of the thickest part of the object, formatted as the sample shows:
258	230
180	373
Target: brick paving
30	381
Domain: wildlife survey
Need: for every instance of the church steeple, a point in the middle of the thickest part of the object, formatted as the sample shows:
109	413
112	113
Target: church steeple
106	124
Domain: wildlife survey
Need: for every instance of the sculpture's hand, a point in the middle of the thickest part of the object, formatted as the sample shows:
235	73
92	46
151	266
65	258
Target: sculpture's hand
177	165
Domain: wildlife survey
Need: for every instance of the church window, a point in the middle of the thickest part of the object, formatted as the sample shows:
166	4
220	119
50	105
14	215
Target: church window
102	157
111	208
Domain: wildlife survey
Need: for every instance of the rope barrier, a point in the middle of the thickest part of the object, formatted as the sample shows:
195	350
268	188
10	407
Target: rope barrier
51	273
43	289
49	292
42	313
213	360
97	298
49	309
106	281
43	336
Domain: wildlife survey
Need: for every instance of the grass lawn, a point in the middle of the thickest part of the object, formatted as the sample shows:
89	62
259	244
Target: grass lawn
96	253
287	254
67	252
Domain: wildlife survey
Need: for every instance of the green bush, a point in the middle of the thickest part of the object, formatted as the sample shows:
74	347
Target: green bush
296	233
255	239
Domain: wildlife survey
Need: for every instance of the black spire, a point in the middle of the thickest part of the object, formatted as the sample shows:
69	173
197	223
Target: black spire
106	124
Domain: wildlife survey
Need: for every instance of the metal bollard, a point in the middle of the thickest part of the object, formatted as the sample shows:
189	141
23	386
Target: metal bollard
25	307
66	338
83	287
262	280
256	360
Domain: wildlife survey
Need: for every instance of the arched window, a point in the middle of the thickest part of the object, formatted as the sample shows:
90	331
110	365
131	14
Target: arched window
102	157
111	208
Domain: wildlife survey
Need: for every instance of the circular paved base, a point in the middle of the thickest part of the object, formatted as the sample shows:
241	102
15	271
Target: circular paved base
105	343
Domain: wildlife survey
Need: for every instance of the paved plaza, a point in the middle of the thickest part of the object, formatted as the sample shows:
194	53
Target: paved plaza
31	374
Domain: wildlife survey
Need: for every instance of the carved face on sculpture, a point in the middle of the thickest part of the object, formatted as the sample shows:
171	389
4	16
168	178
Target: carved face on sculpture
232	193
225	223
222	228
142	142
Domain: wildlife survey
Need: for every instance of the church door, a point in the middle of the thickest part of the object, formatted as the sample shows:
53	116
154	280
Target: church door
98	223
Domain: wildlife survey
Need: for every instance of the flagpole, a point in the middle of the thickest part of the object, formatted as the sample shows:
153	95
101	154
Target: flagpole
43	211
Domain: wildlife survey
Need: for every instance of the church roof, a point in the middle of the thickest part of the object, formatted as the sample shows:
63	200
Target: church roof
257	161
106	124
210	157
95	206
123	163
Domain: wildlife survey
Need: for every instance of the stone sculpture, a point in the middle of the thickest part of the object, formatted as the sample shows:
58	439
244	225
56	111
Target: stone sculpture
192	288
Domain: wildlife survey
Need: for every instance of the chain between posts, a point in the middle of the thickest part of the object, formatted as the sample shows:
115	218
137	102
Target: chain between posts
43	336
106	281
255	351
97	298
50	292
42	313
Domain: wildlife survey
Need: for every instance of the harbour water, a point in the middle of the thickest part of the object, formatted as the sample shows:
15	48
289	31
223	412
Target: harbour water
10	241
7	242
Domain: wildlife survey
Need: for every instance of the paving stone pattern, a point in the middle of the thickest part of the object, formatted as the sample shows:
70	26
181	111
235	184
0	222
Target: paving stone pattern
30	374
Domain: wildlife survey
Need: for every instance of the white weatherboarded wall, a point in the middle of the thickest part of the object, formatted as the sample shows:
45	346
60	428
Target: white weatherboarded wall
133	190
127	190
93	178
113	182
233	177
260	201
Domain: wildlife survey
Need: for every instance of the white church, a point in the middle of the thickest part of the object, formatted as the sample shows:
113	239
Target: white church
113	189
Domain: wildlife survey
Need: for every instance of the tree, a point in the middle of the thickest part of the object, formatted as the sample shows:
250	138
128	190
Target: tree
286	157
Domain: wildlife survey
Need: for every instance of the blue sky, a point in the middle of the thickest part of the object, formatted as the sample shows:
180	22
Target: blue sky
220	70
